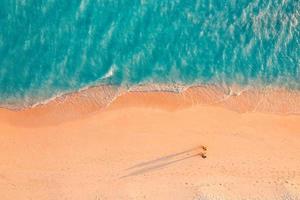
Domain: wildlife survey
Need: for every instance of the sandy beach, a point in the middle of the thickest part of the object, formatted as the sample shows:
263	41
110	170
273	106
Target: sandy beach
152	145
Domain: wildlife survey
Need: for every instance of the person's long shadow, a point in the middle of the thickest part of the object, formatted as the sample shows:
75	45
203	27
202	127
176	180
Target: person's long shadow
158	163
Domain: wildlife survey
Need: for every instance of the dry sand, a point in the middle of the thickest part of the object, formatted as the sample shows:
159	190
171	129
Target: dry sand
147	146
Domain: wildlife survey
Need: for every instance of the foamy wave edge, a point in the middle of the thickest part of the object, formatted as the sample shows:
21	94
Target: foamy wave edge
273	100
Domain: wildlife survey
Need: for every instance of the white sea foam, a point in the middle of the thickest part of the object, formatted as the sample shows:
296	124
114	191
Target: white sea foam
110	72
82	7
241	99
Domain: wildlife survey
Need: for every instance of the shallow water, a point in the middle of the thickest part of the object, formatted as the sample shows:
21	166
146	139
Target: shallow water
52	47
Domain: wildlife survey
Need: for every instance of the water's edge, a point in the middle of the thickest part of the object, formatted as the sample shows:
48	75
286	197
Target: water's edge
240	99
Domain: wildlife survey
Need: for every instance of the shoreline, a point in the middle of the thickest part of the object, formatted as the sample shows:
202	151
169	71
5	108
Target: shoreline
283	101
107	90
102	99
104	91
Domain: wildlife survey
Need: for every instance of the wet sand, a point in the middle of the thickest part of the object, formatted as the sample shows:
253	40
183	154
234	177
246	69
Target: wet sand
149	145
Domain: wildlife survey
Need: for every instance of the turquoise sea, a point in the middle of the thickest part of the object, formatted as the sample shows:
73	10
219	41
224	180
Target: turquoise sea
50	47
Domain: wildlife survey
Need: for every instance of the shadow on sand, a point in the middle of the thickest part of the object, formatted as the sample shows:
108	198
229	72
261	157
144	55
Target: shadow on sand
164	161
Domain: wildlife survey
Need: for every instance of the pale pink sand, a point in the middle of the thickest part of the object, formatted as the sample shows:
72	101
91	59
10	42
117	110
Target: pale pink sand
146	146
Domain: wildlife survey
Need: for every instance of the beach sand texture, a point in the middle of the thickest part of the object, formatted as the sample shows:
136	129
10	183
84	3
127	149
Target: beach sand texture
152	145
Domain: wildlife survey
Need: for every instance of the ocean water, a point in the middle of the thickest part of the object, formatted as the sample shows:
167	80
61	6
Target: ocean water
50	47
